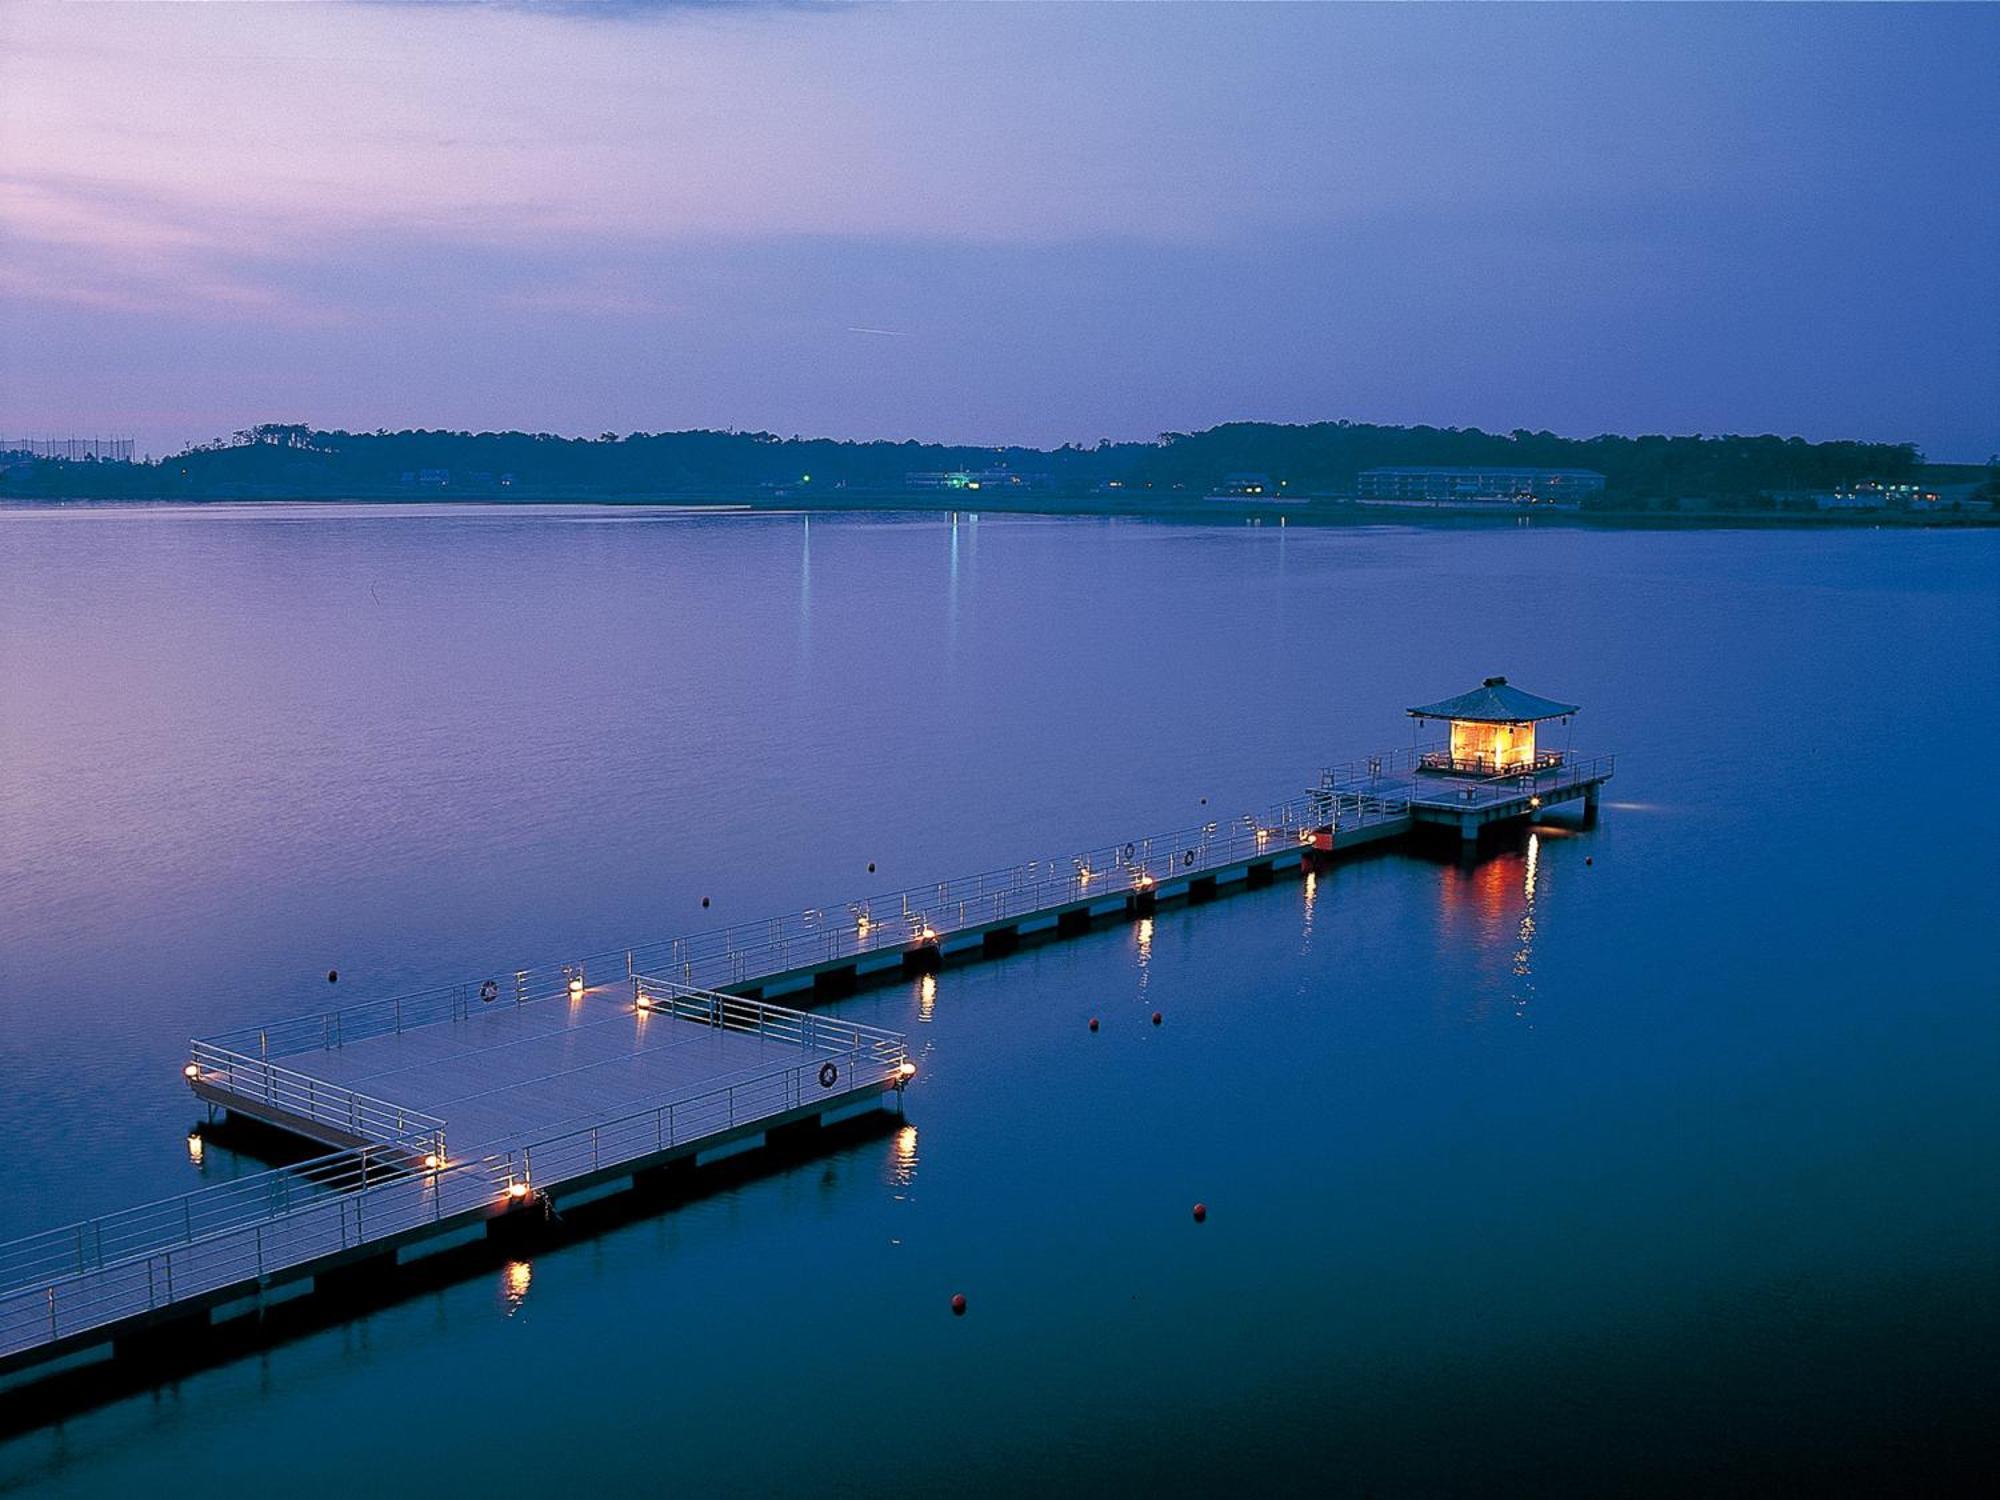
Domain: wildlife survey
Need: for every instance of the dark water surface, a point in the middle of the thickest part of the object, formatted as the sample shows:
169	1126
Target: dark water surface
1672	1171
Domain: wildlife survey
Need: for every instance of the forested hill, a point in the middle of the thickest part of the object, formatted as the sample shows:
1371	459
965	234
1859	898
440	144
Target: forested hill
1322	457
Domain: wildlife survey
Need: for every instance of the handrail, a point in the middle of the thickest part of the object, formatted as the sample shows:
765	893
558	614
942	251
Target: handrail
743	953
315	1099
222	1249
108	1239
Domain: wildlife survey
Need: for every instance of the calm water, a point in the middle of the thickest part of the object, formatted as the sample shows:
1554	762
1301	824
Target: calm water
1674	1169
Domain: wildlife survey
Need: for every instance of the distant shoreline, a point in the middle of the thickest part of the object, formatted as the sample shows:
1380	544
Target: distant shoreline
1317	512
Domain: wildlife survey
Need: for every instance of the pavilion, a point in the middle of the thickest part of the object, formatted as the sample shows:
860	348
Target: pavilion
1492	731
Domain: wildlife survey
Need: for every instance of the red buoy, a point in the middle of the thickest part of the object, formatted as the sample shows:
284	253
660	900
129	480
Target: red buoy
1093	1023
958	1305
1201	1213
1156	1018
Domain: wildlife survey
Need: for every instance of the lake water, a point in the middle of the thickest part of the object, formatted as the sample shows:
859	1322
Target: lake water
1670	1170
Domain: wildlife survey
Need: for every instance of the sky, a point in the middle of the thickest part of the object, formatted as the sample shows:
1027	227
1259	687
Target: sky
1000	223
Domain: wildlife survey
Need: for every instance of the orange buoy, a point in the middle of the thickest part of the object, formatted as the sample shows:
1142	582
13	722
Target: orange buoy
958	1304
1156	1018
1201	1213
1093	1023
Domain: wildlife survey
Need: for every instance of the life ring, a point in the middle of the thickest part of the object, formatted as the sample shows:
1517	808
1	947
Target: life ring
828	1074
489	992
1130	850
1187	857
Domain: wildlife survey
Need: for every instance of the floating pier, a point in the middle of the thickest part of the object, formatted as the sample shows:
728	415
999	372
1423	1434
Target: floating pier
449	1111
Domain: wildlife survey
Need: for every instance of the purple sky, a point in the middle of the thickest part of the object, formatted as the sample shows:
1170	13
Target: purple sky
1001	223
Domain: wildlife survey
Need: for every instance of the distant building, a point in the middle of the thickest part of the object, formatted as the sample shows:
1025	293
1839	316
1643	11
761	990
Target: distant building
1443	486
76	450
1868	495
1897	496
1245	486
976	479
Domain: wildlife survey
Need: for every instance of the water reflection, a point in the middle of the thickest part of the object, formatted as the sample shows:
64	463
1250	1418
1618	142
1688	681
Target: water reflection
195	1147
514	1283
903	1159
805	596
951	592
927	998
1524	951
1310	891
1499	897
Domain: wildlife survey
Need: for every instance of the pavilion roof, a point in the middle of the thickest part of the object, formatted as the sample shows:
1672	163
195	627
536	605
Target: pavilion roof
1494	701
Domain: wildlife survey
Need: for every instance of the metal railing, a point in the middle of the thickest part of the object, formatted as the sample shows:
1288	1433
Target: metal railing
812	1030
315	1099
243	1252
844	1058
1571	773
148	1228
1488	765
928	914
397	1013
68	1281
747	952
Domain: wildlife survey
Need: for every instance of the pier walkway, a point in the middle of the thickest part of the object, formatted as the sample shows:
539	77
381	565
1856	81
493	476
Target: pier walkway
448	1108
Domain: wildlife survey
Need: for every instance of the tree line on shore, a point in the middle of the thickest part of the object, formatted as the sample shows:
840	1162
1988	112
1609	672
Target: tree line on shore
295	460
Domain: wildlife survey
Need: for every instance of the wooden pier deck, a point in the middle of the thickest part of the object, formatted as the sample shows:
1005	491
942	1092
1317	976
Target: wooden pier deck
507	1075
453	1107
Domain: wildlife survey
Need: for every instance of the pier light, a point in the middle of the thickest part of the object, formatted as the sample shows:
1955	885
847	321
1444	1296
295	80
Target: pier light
642	1001
1492	730
517	1190
432	1161
191	1071
927	934
905	1072
576	985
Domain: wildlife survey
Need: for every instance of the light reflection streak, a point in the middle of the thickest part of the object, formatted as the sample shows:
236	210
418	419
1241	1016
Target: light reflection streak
514	1283
927	998
903	1158
1524	952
